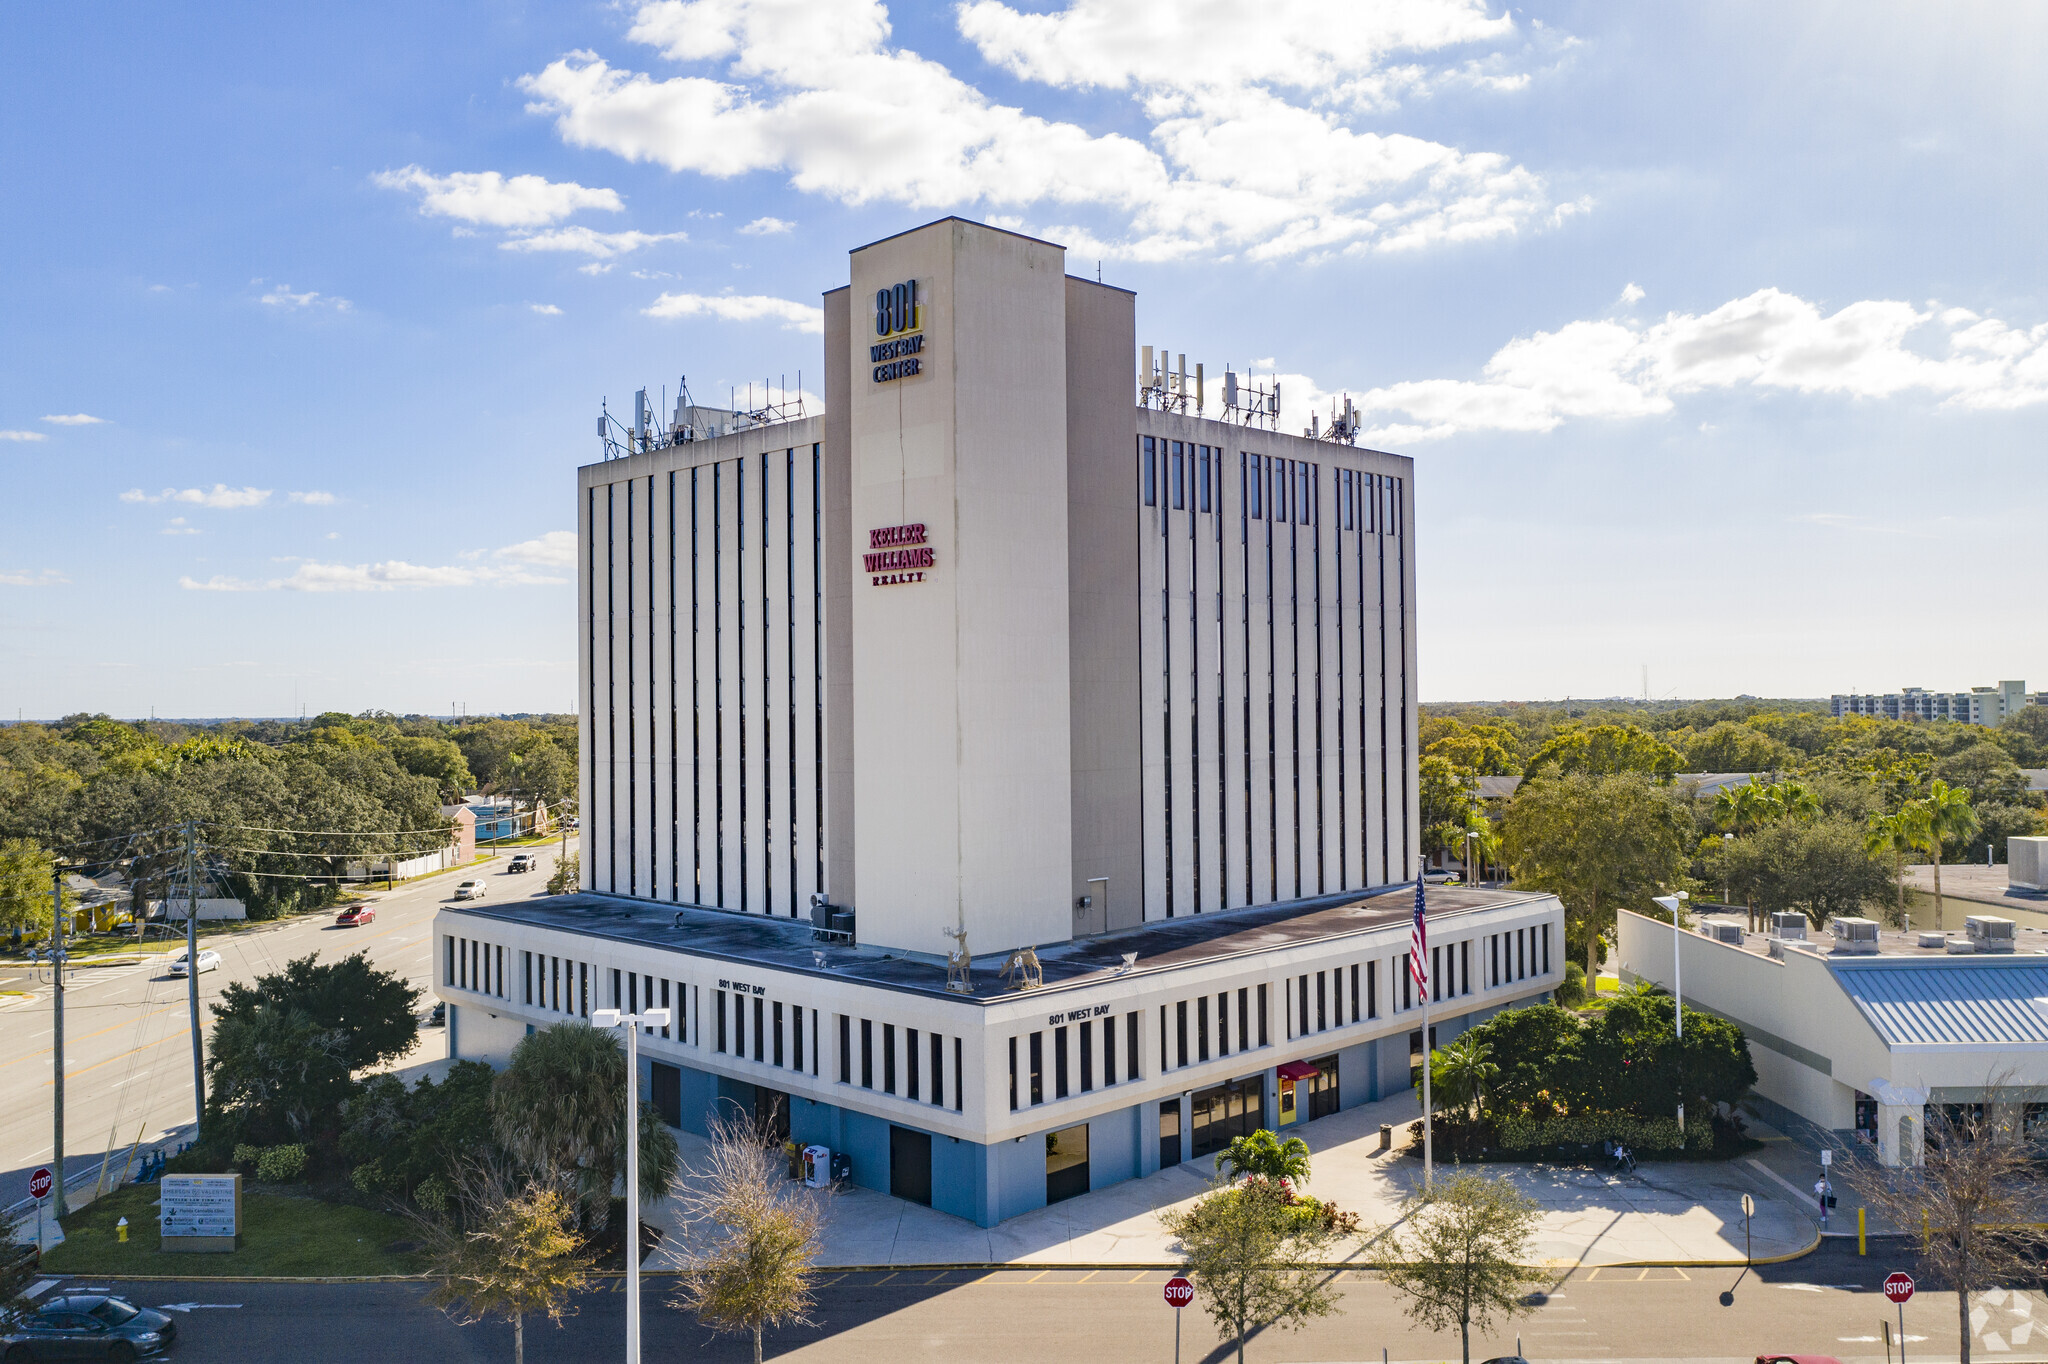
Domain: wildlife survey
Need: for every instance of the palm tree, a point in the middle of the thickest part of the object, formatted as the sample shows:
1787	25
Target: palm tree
1460	1072
1943	814
560	1109
1739	809
1892	836
1262	1153
1792	800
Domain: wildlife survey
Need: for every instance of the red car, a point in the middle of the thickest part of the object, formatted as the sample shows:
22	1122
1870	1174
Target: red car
355	916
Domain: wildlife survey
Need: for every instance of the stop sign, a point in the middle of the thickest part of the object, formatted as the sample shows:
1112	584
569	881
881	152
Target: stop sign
40	1182
1898	1286
1179	1292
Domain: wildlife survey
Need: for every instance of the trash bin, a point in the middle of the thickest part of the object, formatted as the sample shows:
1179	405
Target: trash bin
1386	1136
842	1166
817	1166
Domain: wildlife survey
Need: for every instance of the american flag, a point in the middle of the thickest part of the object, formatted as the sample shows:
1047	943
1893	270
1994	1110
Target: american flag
1418	946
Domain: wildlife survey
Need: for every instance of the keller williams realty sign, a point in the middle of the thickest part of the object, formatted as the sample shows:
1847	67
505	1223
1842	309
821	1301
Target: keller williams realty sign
897	554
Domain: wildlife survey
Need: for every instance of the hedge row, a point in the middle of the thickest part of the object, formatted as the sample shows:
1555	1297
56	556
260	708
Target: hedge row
1637	1133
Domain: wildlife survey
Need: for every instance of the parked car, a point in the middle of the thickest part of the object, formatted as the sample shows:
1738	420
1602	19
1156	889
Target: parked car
1797	1359
355	916
520	862
87	1326
437	1017
209	960
470	890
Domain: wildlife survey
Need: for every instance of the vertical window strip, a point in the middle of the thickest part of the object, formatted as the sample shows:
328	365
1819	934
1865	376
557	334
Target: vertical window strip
789	652
611	695
818	667
632	715
739	589
675	811
718	680
696	700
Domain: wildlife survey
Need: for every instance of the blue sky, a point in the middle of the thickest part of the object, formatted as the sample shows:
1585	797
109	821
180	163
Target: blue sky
1719	333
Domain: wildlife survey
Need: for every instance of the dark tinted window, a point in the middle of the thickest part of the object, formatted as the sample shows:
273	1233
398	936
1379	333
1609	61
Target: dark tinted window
113	1313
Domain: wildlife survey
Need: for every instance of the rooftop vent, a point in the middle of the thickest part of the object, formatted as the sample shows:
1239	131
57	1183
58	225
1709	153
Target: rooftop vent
1728	933
1788	926
1855	935
1989	932
1930	939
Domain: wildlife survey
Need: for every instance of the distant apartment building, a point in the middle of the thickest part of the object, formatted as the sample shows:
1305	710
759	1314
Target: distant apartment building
1977	706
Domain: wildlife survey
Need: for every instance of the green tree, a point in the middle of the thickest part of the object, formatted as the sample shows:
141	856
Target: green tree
1447	802
513	1253
1732	747
1254	1263
1822	867
274	1074
1987	771
567	877
371	1010
1943	816
1264	1154
749	1237
25	903
1597	842
1458	1257
1489	749
1604	750
2025	735
399	1138
439	759
560	1108
1532	1049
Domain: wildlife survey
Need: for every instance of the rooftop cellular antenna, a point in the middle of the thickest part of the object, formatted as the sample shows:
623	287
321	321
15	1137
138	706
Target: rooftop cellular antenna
1248	402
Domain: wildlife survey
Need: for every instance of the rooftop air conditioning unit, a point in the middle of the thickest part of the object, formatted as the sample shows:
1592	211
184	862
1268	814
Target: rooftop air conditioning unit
1785	925
1855	935
1989	932
1727	933
1932	938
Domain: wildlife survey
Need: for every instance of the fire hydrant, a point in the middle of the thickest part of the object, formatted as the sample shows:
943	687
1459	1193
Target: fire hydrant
121	1230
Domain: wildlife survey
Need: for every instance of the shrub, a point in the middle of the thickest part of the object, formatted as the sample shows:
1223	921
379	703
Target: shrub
432	1194
246	1156
281	1164
1572	993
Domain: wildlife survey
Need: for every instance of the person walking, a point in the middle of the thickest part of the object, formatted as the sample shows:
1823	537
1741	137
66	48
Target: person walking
1824	1196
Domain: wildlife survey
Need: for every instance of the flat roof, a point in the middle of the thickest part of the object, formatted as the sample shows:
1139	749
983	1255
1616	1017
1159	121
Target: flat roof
1892	943
1168	944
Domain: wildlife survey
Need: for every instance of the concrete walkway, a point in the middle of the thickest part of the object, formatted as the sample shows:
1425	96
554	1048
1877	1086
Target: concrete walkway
1680	1212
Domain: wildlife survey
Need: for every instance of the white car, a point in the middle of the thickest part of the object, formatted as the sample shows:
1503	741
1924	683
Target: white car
209	960
470	890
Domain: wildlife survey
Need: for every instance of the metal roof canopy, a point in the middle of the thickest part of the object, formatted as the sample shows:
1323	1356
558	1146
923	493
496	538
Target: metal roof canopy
1950	1001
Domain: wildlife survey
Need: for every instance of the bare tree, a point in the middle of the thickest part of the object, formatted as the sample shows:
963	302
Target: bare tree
512	1251
1972	1199
747	1247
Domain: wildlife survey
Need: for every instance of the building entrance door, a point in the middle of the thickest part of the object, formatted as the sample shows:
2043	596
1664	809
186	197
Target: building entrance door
1169	1133
1322	1088
910	1165
1235	1108
1066	1163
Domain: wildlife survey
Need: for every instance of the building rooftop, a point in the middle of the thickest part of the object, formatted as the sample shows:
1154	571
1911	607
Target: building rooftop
1892	943
1960	1000
786	944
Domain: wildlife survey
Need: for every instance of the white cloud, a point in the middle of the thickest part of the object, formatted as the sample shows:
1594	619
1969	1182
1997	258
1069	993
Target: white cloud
524	565
221	496
521	201
75	419
1249	147
545	309
589	242
1769	340
767	227
48	577
1632	293
313	499
556	549
22	435
594	268
281	296
794	316
177	526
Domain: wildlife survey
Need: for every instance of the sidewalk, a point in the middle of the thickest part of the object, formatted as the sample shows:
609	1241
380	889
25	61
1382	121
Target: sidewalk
1678	1212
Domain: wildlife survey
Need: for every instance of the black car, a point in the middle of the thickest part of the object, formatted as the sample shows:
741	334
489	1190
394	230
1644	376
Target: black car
86	1326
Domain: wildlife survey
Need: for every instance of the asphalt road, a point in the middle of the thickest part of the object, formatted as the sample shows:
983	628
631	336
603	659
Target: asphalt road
1825	1304
128	1045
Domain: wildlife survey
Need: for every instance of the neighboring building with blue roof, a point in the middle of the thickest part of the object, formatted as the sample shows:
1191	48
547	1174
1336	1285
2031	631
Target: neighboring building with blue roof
1861	1030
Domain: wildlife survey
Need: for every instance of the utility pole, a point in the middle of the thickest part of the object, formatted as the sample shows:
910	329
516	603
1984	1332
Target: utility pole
192	981
57	955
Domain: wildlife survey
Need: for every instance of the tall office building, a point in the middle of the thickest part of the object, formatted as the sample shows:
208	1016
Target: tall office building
1013	647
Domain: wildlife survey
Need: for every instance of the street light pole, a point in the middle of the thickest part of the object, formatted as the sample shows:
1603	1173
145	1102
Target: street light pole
651	1018
1673	903
57	955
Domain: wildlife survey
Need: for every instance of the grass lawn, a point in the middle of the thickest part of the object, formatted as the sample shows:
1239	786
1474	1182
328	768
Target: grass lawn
280	1236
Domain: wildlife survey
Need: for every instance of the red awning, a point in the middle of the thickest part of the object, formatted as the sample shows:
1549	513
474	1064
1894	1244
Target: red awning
1298	1070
